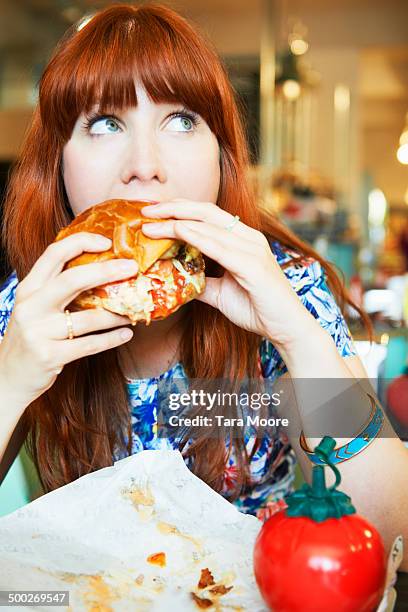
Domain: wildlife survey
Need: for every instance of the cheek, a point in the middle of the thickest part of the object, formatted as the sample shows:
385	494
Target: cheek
86	177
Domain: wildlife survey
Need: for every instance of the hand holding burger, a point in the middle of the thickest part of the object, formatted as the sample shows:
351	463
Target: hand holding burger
171	272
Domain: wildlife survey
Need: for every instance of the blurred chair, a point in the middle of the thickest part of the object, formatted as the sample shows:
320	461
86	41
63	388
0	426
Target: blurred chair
395	367
383	362
14	490
343	255
397	354
21	484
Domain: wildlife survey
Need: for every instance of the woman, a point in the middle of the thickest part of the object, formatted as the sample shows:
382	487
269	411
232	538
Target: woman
136	105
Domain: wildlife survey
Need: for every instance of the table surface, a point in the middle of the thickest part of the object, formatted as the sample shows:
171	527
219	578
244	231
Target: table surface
402	593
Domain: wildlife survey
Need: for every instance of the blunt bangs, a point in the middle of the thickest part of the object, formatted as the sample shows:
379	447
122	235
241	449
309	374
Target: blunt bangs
99	64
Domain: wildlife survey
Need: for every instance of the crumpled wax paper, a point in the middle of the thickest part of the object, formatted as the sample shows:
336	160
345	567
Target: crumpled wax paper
102	536
394	561
135	536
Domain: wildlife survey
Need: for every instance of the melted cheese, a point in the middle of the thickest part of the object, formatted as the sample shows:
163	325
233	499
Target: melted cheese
172	251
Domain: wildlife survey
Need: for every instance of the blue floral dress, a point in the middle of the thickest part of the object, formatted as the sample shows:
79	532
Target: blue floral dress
273	462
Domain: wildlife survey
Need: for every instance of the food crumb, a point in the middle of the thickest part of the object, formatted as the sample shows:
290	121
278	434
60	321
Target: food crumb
206	579
201	602
220	589
157	559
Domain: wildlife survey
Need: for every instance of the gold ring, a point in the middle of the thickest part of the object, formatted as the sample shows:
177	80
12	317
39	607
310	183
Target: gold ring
70	327
233	223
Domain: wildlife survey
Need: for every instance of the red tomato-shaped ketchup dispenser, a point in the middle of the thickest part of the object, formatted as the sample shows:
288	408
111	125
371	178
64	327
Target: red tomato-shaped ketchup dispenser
318	555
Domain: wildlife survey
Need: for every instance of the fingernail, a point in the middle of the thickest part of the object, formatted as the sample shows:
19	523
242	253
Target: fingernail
151	208
129	265
153	227
150	204
126	334
103	241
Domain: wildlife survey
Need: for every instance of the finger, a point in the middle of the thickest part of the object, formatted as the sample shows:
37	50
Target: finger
179	228
219	244
70	350
70	283
211	293
84	322
55	256
198	211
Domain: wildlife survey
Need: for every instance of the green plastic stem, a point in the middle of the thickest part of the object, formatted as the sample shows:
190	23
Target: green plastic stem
317	501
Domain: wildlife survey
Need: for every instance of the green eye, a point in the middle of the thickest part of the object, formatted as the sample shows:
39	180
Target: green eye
182	122
186	123
111	124
98	125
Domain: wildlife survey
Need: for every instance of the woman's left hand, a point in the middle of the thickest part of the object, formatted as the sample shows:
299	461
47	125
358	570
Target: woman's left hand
253	293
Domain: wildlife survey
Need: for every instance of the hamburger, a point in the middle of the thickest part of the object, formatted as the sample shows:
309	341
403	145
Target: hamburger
171	272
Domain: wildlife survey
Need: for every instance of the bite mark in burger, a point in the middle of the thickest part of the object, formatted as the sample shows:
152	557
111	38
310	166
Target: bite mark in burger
171	272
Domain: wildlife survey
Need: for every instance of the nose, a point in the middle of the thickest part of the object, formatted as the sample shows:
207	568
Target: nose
143	161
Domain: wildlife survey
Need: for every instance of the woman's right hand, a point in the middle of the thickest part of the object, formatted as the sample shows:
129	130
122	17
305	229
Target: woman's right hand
35	347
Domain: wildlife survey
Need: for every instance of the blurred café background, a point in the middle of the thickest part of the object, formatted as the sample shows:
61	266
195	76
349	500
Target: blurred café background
323	89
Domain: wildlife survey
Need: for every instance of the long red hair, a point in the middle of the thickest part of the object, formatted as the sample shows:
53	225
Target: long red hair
75	427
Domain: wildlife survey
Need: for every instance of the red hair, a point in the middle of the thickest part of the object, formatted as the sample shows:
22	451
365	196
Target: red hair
75	426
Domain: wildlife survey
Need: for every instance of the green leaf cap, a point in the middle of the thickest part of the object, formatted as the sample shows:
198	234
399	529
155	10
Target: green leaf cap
317	501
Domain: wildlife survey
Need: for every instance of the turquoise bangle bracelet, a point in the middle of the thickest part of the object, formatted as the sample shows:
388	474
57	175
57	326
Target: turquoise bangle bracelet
355	446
